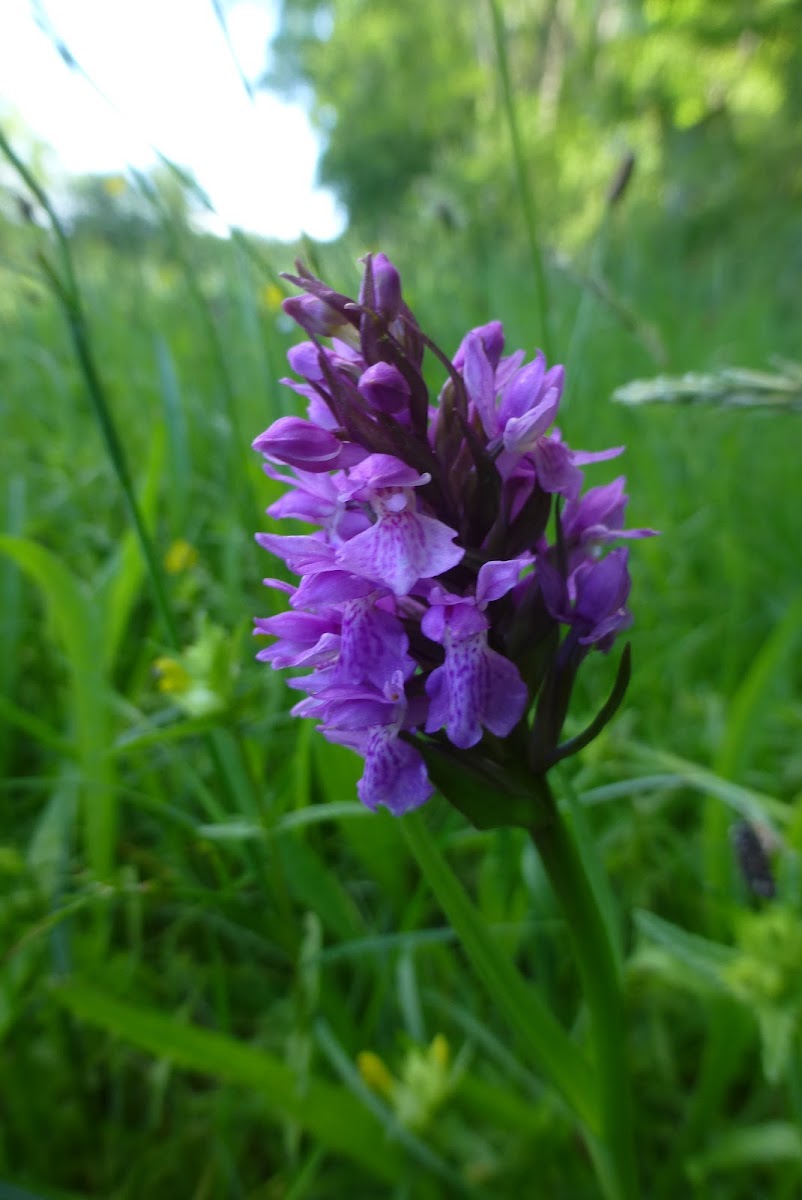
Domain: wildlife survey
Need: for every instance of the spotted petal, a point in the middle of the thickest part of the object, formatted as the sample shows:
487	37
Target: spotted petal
401	548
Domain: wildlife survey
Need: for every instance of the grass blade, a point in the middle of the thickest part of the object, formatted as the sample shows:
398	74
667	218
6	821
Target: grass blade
76	624
550	1046
325	1111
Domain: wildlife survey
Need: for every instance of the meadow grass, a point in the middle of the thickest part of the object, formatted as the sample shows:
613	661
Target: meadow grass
202	930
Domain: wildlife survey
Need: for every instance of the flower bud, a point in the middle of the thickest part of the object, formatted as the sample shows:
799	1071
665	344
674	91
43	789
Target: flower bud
385	388
386	287
299	443
314	315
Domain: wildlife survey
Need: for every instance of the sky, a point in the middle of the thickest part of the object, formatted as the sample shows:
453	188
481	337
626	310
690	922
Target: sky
169	74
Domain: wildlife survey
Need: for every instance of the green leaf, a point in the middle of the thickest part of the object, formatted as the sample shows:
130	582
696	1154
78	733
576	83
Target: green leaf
476	788
326	1112
316	887
545	1039
14	717
743	719
77	627
124	573
704	958
588	850
746	802
773	1142
48	848
777	1031
605	714
177	433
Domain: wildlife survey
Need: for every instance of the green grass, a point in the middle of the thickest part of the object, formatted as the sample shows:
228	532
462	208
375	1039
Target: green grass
201	931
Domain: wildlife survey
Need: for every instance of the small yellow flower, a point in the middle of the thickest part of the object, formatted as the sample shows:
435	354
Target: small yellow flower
440	1051
272	295
375	1073
114	185
173	678
11	861
180	556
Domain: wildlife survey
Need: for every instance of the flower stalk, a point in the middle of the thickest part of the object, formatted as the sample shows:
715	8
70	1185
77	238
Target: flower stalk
614	1152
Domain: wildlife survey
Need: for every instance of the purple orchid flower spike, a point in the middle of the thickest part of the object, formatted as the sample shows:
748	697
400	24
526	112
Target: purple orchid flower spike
439	628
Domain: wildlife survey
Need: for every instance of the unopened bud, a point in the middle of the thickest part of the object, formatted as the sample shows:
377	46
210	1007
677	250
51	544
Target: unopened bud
385	388
299	443
386	287
314	315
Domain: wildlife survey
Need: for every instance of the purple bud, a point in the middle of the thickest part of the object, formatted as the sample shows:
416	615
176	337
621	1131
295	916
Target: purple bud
385	388
495	579
299	443
600	510
305	360
314	315
386	286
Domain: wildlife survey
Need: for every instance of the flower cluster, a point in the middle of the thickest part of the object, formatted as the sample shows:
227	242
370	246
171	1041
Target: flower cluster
436	620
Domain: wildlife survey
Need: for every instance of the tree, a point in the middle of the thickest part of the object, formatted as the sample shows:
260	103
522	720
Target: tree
709	96
393	86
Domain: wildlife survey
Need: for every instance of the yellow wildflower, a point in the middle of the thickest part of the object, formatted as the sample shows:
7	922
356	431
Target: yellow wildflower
173	678
375	1073
440	1051
272	295
180	556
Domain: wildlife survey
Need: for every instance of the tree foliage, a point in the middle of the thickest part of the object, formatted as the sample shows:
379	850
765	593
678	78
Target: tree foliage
394	87
708	95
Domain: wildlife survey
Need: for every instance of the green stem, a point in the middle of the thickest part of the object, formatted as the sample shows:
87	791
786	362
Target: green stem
614	1154
550	1046
525	191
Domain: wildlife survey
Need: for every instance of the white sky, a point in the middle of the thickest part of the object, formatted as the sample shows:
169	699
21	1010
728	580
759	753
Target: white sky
167	68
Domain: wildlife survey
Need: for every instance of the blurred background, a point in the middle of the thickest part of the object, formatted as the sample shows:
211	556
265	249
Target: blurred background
219	976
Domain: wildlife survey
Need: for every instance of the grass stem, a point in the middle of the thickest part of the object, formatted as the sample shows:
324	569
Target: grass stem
525	191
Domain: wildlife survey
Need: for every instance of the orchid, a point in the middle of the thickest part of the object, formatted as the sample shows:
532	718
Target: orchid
457	576
445	601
